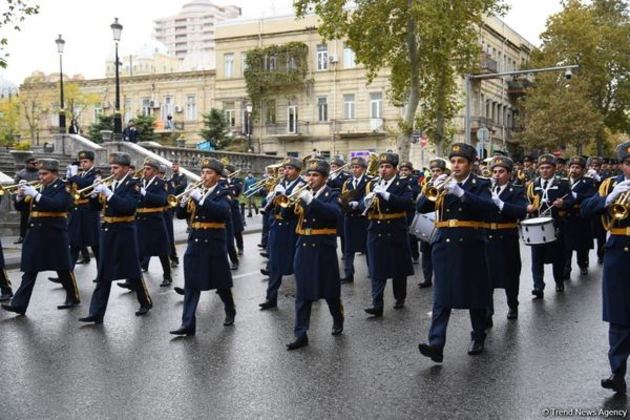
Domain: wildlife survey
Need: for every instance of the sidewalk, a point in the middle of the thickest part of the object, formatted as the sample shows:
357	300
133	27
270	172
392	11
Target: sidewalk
13	252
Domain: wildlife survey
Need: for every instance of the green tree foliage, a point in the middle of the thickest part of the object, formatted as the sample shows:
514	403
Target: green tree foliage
145	124
12	17
595	35
103	122
426	44
9	122
215	129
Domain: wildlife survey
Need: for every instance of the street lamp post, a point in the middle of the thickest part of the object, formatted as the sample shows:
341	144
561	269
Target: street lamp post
249	108
468	79
62	113
117	30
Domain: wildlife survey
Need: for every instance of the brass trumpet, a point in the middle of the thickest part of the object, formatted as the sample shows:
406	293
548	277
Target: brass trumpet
292	199
620	209
79	194
13	189
432	190
173	200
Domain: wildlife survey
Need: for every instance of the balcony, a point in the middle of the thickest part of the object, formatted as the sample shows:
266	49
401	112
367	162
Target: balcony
281	130
488	64
517	88
356	128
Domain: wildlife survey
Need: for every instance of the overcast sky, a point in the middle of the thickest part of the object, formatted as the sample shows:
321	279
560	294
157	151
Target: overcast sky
84	24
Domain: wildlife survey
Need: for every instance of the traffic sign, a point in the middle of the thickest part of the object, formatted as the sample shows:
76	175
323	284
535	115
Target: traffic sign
483	134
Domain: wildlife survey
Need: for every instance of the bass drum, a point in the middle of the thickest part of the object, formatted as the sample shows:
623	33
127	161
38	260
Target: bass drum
423	227
538	231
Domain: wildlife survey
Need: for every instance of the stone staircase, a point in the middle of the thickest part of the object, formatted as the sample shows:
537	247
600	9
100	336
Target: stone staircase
9	167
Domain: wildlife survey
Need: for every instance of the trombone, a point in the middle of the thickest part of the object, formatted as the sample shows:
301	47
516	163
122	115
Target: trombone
13	189
339	170
173	200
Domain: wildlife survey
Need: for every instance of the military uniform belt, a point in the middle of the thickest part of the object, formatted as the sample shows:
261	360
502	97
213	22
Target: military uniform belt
151	209
35	214
207	225
497	226
454	223
82	201
119	219
310	232
382	216
620	231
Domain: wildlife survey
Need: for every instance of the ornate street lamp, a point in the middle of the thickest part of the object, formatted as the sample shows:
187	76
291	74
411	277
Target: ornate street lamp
117	30
62	113
249	108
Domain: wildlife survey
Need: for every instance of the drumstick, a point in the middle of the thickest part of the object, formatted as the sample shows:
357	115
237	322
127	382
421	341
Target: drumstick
549	209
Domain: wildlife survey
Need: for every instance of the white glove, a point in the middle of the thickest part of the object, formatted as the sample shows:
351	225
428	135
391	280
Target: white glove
354	204
306	196
497	201
280	190
143	191
103	189
29	190
379	189
452	187
439	179
71	170
196	195
592	173
619	189
368	197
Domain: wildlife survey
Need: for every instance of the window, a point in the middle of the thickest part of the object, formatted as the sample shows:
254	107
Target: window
127	109
292	119
348	106
376	104
322	109
98	110
270	62
167	108
270	112
325	154
230	116
243	63
293	154
228	60
146	106
292	63
349	58
191	108
322	57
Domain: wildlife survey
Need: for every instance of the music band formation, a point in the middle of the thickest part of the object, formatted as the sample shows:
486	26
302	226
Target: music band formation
463	228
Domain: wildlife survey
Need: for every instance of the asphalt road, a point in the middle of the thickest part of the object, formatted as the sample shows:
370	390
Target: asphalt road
53	367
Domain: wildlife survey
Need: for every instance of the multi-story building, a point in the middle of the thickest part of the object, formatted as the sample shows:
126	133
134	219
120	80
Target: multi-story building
153	57
189	35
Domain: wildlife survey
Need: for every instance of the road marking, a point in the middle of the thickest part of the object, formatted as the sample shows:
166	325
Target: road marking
246	274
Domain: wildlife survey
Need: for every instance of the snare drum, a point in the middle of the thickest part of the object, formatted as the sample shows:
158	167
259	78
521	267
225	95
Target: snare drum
423	227
538	231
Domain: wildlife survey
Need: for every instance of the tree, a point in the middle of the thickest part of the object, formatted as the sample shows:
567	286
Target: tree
145	124
595	35
215	129
9	122
426	44
15	13
103	122
77	101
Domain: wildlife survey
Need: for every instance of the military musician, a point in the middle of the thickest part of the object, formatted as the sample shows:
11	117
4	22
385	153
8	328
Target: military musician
335	181
205	260
282	236
594	164
6	292
355	222
315	265
459	250
612	203
554	195
503	246
387	200
28	174
579	236
119	255
406	173
46	246
176	184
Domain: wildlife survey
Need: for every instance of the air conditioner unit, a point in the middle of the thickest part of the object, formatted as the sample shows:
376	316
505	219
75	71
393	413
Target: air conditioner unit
333	58
154	104
179	109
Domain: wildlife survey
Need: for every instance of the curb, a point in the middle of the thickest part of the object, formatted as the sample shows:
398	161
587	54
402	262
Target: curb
13	262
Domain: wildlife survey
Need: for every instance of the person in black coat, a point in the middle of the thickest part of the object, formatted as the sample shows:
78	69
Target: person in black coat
503	246
315	265
46	245
355	222
177	184
118	247
5	284
594	164
335	181
579	235
554	196
462	280
406	173
615	287
205	261
28	174
387	200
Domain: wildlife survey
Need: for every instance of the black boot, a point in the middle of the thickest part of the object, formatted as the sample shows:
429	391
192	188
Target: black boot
616	382
229	317
475	348
166	282
298	343
435	353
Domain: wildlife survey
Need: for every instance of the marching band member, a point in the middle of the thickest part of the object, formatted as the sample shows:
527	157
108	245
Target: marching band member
235	187
282	236
355	224
28	174
46	246
579	237
205	260
177	183
386	203
153	238
594	164
616	287
6	292
406	173
315	265
118	246
459	251
503	247
561	168
83	224
555	195
335	181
